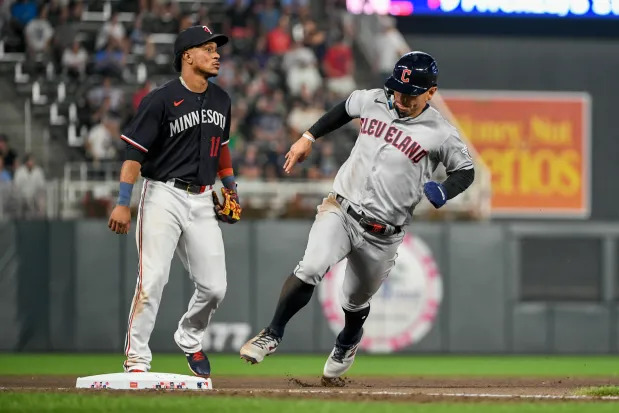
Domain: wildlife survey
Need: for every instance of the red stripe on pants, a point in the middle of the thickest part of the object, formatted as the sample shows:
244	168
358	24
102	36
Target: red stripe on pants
136	298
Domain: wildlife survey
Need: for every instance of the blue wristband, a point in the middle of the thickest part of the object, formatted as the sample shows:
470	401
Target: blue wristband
229	182
124	194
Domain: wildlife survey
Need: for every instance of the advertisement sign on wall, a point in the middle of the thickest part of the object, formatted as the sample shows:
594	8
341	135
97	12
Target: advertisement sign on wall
536	145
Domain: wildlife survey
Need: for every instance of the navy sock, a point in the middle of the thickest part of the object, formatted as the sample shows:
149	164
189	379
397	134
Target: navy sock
353	326
294	296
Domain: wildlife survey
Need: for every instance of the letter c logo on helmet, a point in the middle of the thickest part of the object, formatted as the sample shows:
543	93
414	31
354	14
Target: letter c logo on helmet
406	75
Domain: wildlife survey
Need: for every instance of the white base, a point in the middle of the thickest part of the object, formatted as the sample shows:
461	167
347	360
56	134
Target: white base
141	381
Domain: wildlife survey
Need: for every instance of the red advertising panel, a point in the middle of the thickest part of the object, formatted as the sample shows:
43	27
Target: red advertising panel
536	145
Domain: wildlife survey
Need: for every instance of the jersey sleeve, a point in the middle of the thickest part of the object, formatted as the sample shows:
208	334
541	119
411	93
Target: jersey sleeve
226	138
142	131
454	154
355	102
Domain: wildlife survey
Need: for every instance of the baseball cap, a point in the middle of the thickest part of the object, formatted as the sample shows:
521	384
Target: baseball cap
194	36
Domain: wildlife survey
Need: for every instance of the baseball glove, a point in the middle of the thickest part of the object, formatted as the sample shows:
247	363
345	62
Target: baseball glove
230	210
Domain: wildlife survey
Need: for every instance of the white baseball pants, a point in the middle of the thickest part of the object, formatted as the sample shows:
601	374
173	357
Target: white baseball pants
169	220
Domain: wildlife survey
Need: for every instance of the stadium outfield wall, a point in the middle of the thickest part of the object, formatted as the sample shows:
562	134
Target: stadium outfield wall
505	288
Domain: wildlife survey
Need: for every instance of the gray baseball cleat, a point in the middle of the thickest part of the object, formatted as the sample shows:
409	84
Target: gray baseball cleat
256	349
339	361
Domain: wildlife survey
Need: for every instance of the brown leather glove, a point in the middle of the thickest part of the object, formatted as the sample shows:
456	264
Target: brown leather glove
230	210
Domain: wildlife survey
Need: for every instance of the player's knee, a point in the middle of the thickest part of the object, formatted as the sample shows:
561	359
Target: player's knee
310	273
219	294
215	293
355	302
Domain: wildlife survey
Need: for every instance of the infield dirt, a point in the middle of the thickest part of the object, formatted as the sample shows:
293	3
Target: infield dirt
408	389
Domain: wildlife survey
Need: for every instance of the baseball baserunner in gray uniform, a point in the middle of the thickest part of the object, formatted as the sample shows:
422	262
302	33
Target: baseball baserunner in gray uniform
401	142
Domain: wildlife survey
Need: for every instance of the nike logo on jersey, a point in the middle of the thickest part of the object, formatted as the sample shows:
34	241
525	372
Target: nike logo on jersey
179	102
392	135
197	117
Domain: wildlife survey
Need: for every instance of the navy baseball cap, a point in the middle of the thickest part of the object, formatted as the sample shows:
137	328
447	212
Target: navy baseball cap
192	37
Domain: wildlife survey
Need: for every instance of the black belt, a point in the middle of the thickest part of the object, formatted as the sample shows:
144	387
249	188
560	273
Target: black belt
368	223
191	188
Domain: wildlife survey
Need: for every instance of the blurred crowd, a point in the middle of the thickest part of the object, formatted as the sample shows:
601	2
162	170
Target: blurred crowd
286	64
22	183
283	68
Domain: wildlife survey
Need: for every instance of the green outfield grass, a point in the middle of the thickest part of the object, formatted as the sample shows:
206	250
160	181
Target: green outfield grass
600	391
297	365
37	402
311	365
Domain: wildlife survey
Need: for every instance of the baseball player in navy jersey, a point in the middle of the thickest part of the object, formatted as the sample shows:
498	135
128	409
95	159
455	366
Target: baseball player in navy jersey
401	142
178	141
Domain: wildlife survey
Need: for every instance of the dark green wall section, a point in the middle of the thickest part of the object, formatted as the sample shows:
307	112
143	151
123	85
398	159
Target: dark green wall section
67	286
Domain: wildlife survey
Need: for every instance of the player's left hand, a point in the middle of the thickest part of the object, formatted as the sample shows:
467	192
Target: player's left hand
436	194
298	152
120	219
230	210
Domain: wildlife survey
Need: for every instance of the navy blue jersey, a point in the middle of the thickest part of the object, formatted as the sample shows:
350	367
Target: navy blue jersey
177	133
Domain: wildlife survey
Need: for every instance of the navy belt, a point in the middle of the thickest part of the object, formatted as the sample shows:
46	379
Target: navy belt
368	223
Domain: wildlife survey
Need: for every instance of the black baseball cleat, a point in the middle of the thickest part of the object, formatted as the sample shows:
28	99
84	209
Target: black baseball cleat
199	364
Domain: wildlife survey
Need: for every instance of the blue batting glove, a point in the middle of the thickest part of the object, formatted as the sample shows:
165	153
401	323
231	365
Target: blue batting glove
436	194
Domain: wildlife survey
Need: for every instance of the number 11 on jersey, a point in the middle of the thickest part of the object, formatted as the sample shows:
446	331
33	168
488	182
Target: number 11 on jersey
215	145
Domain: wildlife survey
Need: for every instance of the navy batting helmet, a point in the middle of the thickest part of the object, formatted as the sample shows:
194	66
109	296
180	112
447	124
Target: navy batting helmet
413	74
192	37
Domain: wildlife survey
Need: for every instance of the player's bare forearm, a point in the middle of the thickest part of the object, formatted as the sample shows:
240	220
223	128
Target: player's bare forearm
130	171
120	219
335	118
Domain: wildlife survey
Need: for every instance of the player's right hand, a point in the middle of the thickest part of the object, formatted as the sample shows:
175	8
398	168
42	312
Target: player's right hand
298	152
120	219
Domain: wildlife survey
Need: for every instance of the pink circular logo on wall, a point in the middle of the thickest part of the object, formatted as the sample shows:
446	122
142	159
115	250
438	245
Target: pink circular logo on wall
405	306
